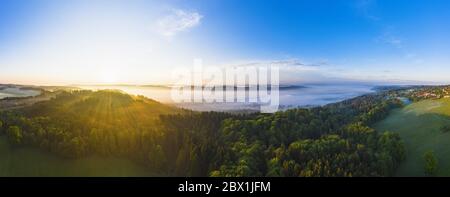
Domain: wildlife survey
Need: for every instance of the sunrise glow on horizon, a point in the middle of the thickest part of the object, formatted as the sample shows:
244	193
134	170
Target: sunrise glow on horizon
140	42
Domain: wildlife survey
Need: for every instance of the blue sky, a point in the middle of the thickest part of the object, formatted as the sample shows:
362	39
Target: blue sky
137	41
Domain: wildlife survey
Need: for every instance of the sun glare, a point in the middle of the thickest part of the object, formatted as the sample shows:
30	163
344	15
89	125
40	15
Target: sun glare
107	77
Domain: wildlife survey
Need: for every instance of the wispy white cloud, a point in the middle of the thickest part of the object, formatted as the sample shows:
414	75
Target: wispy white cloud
284	64
292	70
298	71
392	40
176	21
364	8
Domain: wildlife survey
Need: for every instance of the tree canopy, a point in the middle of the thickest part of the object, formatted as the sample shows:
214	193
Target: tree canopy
334	140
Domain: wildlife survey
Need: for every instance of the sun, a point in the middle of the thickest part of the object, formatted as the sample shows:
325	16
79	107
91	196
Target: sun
108	77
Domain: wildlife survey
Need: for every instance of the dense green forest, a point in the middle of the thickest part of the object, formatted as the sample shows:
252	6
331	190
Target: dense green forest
334	140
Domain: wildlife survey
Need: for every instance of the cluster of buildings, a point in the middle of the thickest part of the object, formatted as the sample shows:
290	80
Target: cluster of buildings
432	93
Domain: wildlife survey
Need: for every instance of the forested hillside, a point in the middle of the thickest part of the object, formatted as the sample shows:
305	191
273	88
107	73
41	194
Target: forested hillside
335	140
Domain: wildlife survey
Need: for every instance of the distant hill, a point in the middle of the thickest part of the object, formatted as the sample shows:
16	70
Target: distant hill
104	105
74	123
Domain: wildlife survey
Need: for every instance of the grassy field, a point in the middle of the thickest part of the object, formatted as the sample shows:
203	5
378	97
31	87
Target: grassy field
33	162
419	125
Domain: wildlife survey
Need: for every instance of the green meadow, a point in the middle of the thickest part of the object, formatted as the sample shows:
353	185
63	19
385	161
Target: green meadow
22	161
419	125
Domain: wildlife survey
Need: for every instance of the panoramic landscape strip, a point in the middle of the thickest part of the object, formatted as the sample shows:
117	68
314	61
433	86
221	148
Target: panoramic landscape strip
231	97
75	132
